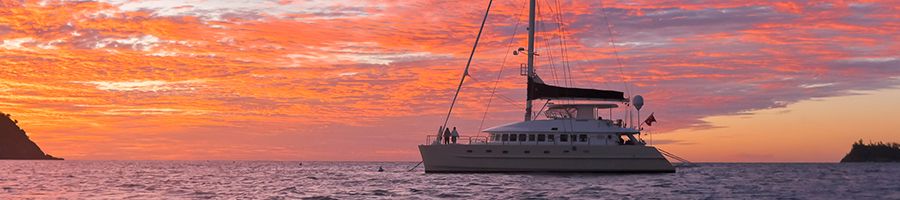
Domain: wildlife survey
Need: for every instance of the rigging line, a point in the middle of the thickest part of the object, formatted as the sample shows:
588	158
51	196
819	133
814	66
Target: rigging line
550	59
466	71
565	66
564	42
612	42
414	167
684	162
550	56
566	69
509	100
547	46
541	110
580	53
500	73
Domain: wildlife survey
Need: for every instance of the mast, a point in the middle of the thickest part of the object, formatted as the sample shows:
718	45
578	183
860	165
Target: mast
530	72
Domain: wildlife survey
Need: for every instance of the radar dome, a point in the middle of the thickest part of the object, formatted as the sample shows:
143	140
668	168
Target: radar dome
638	101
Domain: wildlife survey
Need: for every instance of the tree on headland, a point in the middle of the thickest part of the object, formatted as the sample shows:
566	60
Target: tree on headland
892	145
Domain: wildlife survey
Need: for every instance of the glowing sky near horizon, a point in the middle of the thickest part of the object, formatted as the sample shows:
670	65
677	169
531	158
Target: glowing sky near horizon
366	80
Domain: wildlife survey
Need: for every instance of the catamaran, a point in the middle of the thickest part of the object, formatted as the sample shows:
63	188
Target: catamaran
573	137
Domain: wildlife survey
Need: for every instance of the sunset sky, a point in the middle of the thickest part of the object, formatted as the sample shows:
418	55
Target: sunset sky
743	81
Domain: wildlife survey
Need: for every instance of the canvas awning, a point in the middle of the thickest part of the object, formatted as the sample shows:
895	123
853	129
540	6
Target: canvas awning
537	89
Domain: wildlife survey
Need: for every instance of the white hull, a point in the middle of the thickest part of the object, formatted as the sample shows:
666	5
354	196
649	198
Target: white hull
480	158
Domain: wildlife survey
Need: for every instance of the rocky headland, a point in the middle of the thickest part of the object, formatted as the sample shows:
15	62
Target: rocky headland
15	144
873	152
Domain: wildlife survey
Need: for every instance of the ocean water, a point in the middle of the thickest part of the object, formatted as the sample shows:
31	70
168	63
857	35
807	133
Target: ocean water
360	180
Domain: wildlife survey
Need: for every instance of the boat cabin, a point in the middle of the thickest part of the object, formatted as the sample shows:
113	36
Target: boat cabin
567	124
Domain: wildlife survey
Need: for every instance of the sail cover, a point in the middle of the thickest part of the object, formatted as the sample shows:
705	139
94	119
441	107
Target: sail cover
537	89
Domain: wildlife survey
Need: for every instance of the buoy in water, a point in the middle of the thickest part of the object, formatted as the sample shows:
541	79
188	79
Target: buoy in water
380	169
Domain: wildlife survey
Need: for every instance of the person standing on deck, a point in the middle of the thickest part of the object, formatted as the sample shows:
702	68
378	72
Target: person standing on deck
446	135
454	135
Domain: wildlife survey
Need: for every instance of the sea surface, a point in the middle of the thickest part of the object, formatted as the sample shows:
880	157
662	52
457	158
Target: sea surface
361	180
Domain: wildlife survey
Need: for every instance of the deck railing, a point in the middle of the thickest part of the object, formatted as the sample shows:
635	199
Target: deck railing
484	140
459	140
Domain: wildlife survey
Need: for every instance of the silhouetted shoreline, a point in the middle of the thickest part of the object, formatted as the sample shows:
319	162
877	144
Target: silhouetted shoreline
15	144
873	152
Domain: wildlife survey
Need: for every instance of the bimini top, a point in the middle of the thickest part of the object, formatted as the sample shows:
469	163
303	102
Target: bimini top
589	105
561	126
537	89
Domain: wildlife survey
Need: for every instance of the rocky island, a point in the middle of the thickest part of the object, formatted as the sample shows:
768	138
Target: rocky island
15	144
873	152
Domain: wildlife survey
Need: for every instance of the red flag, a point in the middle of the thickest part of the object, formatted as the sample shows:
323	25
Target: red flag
650	120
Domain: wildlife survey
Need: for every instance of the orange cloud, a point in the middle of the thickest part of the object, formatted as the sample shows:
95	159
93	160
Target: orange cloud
133	80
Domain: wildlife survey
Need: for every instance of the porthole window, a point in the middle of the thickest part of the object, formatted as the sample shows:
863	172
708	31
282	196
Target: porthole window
546	152
527	152
468	151
489	151
505	152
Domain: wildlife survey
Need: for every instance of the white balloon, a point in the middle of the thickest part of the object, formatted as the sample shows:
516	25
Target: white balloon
638	101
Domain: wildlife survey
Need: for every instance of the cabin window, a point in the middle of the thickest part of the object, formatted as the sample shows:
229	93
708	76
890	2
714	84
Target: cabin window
563	138
582	138
505	137
531	137
551	138
512	137
542	138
